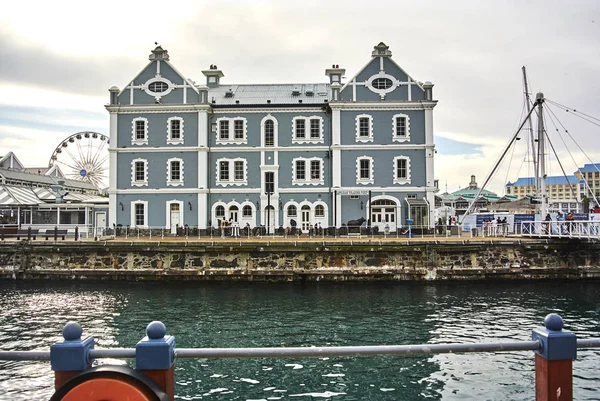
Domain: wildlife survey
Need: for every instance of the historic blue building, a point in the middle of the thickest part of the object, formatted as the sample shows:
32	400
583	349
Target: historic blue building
273	154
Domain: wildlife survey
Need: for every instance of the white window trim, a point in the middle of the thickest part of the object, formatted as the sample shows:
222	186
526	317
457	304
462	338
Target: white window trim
275	131
231	138
135	183
135	141
245	219
364	138
168	213
170	140
132	220
175	183
307	138
398	180
365	181
213	213
307	180
395	137
232	180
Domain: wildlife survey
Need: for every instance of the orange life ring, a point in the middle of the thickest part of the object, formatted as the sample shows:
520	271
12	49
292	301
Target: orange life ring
110	383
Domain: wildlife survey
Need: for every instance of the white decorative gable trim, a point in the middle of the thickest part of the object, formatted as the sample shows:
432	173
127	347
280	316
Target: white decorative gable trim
170	139
398	136
170	181
359	137
134	139
398	178
135	182
370	179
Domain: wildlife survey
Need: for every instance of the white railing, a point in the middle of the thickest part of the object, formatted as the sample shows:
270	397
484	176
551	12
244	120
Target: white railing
561	229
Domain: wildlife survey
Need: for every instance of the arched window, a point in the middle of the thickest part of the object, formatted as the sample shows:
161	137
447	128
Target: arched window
220	211
319	211
269	133
291	212
247	211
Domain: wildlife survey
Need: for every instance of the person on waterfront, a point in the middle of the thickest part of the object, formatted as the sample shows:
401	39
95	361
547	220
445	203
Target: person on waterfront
560	218
547	225
569	220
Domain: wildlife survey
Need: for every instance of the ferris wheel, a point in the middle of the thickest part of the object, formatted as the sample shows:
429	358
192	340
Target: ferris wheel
84	157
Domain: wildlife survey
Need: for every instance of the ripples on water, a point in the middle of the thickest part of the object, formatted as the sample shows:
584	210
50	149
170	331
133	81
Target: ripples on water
257	315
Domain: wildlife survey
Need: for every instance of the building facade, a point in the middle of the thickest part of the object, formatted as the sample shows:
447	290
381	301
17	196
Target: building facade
44	198
273	155
591	174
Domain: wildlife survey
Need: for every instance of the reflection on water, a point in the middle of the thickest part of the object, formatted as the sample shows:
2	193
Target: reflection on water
256	315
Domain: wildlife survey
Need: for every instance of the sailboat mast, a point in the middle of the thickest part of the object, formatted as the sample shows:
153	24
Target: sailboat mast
541	154
530	129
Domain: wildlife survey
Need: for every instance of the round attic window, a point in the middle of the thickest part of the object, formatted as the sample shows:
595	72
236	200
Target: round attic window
158	87
382	83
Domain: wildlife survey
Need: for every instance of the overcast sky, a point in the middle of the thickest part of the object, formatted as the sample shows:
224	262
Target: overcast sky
59	58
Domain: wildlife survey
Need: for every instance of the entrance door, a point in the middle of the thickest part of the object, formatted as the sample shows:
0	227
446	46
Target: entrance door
175	217
100	223
305	221
383	215
390	218
233	214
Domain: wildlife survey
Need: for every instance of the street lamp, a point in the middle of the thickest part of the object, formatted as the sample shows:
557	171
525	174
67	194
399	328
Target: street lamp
269	191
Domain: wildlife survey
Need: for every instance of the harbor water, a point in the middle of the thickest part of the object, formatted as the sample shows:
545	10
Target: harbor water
32	315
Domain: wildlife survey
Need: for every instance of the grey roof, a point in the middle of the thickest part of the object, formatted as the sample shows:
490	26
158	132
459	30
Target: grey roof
44	179
261	94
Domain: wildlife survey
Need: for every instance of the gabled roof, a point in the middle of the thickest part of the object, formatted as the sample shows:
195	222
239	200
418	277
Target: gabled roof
276	94
44	179
10	160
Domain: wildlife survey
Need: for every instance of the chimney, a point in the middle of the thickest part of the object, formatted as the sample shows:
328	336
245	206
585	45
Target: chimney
335	74
213	76
428	86
114	93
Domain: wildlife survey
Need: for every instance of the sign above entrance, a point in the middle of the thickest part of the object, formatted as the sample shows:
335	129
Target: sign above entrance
348	192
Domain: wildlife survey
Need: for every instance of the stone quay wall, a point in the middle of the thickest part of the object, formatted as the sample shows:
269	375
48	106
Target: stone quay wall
366	260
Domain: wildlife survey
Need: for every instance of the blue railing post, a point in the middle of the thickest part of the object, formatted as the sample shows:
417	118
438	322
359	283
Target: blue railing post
155	357
71	356
554	362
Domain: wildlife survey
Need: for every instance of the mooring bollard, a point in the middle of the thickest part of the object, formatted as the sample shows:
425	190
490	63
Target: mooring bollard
554	362
70	357
155	356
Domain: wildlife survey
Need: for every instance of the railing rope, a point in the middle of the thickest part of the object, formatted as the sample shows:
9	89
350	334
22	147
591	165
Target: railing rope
155	355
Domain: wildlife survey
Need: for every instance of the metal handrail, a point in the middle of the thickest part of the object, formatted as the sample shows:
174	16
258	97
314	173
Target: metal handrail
288	352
